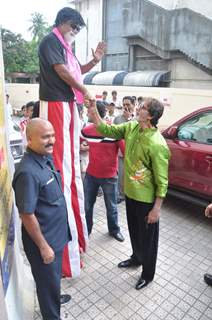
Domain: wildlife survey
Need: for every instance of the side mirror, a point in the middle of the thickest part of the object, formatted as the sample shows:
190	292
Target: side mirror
171	133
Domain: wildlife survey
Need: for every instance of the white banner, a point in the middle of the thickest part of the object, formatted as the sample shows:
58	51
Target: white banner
16	286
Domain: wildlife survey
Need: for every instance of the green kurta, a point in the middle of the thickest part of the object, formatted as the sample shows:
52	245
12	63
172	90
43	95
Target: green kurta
145	162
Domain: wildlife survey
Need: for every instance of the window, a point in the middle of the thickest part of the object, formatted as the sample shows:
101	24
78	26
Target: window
198	128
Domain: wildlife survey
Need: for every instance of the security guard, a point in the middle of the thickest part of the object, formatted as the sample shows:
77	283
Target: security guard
42	208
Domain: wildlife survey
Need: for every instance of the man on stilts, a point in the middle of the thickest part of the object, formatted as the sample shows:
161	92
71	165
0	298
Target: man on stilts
60	88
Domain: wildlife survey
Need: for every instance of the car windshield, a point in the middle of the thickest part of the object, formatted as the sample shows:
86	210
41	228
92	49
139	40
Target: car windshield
199	129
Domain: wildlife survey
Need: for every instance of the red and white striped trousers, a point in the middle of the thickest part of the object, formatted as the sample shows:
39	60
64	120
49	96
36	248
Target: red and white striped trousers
65	120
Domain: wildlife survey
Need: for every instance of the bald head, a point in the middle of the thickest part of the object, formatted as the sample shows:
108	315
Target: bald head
40	136
36	125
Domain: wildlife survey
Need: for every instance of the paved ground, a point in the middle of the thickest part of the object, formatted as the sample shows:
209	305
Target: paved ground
178	292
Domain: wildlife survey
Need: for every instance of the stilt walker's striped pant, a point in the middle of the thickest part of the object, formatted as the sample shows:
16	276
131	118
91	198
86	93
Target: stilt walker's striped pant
65	120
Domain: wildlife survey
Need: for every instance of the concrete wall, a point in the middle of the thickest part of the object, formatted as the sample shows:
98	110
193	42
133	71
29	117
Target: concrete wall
203	7
146	60
89	37
179	102
180	31
126	17
114	25
20	94
186	75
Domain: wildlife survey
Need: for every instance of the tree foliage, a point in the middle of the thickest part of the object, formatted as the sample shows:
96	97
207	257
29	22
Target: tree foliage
14	51
21	55
38	27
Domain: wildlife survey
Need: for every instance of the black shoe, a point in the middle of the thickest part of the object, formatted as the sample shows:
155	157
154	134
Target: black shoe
65	298
128	263
208	278
118	236
142	283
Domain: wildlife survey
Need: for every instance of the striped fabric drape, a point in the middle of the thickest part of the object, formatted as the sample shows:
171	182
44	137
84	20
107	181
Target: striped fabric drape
65	120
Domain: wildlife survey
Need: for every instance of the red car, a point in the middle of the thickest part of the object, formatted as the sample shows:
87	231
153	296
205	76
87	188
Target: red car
190	168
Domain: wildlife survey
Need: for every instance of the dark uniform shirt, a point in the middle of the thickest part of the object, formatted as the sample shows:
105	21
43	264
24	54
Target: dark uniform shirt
52	87
38	190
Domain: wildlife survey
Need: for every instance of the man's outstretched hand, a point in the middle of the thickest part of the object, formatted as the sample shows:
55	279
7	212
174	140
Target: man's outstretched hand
87	99
99	52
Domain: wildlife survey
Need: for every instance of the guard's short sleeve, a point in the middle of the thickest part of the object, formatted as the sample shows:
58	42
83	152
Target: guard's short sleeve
26	189
52	51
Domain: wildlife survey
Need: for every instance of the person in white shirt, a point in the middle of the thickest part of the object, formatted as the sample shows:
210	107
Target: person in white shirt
104	96
8	106
117	102
27	115
111	114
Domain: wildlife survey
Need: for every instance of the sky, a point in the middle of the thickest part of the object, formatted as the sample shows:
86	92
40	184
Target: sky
15	14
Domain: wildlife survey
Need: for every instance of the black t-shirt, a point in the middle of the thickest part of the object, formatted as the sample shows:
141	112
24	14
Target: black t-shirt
52	87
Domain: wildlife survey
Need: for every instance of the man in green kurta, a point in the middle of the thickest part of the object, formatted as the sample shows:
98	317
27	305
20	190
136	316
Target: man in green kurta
145	182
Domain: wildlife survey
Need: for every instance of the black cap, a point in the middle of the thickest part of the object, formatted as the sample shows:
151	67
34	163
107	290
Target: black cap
69	14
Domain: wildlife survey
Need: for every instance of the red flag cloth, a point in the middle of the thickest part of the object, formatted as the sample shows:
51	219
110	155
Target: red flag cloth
65	120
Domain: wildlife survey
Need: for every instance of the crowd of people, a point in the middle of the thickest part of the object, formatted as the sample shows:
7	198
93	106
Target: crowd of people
28	111
127	160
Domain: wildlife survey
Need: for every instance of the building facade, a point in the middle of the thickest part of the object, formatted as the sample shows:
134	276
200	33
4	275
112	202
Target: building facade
173	37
